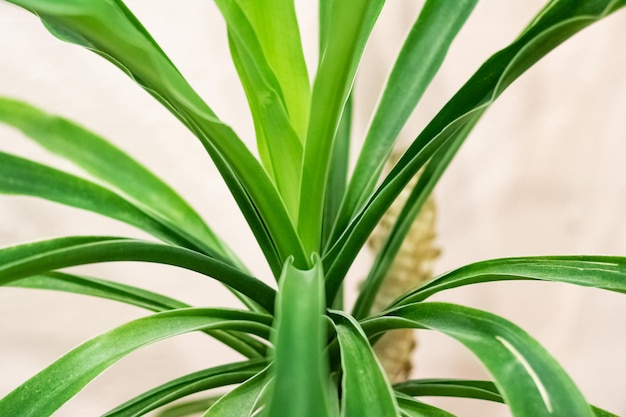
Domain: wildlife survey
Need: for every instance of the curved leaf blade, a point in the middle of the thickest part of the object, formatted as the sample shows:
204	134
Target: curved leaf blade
39	257
480	390
365	389
77	284
72	372
413	408
604	272
219	376
19	176
532	383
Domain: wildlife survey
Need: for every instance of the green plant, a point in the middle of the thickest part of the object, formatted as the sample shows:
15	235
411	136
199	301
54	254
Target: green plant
306	355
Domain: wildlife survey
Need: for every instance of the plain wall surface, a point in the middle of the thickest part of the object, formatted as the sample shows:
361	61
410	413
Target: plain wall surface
543	173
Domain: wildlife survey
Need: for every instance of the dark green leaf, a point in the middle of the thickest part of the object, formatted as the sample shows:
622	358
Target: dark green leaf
605	272
36	258
413	408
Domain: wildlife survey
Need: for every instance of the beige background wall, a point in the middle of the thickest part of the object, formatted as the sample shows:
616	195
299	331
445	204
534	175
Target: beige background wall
543	173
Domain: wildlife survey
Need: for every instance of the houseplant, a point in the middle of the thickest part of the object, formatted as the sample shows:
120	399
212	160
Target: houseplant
270	210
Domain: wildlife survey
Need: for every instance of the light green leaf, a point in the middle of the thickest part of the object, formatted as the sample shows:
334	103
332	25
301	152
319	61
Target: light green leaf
241	401
109	164
276	28
419	60
279	145
109	29
347	28
39	257
559	21
365	389
532	383
300	370
77	284
72	372
605	272
219	376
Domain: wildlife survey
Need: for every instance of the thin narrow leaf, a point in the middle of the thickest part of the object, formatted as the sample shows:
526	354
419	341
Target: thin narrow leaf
558	22
532	383
365	389
413	408
77	284
188	408
338	174
348	25
110	29
19	176
279	144
219	376
458	388
419	60
480	390
39	257
604	272
300	370
38	398
418	196
109	164
241	401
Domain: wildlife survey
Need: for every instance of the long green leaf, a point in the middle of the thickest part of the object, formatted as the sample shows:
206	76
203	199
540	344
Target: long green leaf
72	372
365	389
419	60
241	401
417	197
279	145
480	390
110	29
532	382
347	28
36	258
219	376
19	176
276	28
300	370
558	22
605	272
80	284
109	164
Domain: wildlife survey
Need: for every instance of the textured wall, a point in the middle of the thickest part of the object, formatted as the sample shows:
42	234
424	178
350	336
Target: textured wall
543	173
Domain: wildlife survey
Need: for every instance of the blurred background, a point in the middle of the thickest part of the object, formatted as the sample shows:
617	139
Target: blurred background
543	173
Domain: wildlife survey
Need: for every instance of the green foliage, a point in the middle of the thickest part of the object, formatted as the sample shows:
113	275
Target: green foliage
310	215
